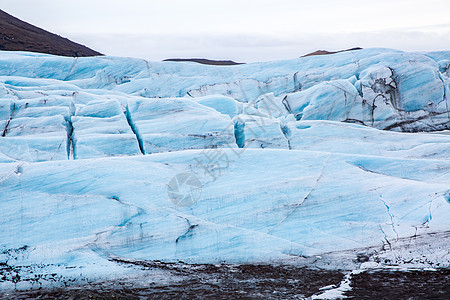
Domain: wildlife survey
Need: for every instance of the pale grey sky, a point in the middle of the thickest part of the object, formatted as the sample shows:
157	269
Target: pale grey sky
242	30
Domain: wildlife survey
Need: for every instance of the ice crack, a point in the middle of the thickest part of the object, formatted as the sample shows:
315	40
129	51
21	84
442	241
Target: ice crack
385	237
134	130
391	216
188	231
319	177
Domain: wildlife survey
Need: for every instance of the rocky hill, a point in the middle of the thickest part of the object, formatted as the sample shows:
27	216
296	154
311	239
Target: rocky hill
17	35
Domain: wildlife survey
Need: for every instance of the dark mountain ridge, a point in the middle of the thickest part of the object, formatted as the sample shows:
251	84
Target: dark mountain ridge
325	52
17	35
205	61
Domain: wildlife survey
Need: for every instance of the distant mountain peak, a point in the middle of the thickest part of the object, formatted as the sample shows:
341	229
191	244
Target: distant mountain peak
17	35
205	61
325	52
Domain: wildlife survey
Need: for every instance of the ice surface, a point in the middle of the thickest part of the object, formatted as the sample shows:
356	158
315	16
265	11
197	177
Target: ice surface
101	129
272	161
224	105
259	132
309	199
357	139
178	124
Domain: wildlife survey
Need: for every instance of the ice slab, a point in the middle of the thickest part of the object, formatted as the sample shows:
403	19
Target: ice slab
179	124
259	132
356	139
101	129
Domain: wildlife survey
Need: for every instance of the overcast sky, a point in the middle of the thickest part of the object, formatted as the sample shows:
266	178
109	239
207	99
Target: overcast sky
241	30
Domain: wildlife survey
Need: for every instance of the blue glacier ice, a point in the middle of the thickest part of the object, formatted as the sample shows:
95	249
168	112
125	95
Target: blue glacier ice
287	161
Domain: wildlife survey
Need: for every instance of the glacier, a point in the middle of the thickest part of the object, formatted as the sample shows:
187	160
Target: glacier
313	160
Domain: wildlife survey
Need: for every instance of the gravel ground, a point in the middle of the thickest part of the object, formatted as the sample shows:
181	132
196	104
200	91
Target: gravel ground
249	281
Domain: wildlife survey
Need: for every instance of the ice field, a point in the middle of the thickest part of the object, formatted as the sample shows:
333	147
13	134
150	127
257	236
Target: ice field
108	158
